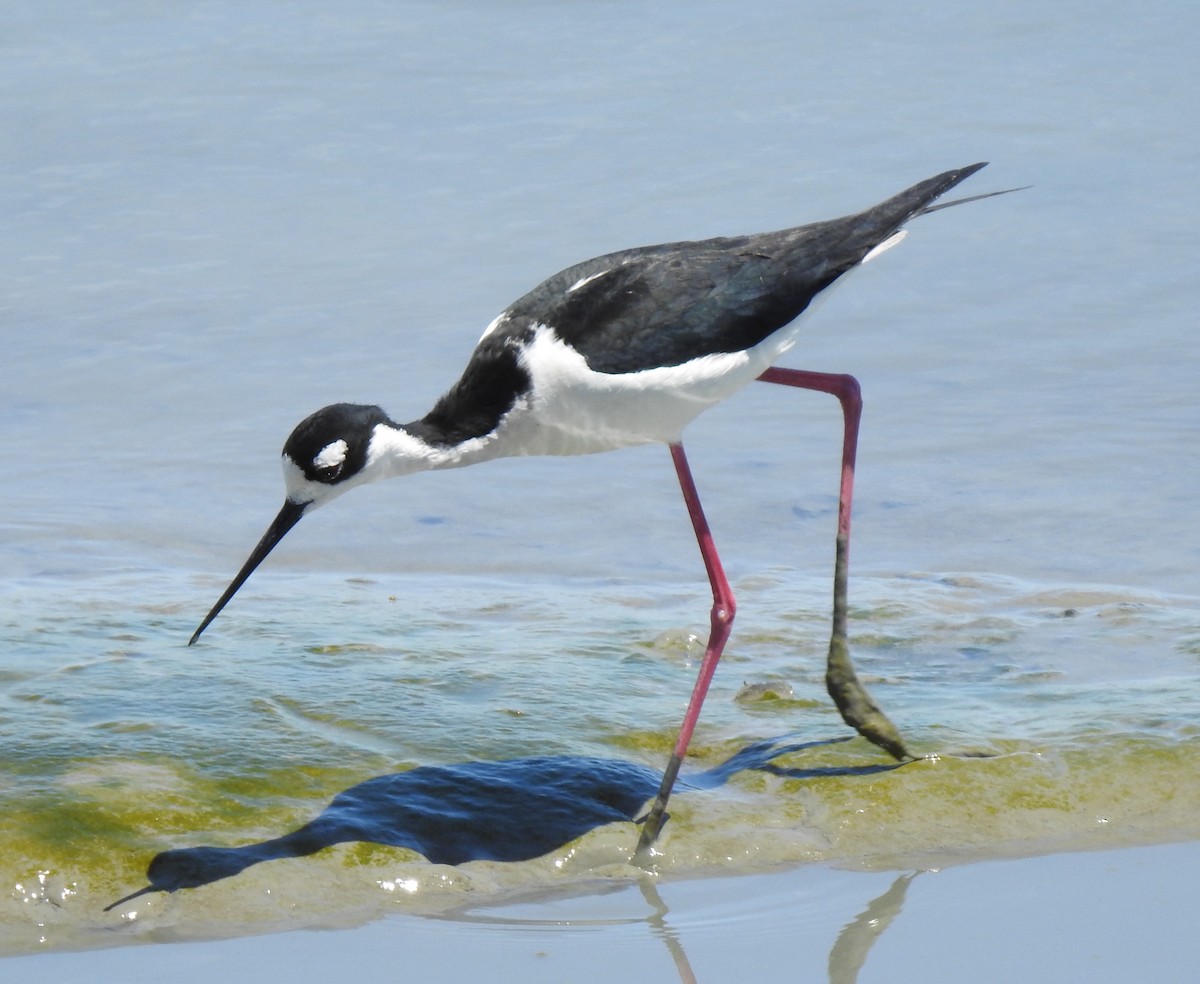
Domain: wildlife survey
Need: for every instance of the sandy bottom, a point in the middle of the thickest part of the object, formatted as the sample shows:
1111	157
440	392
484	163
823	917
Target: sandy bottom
1098	916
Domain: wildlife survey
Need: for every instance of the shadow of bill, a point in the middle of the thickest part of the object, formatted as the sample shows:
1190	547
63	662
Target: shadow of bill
512	810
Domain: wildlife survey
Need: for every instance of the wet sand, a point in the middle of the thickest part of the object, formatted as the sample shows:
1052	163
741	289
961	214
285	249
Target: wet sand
1115	915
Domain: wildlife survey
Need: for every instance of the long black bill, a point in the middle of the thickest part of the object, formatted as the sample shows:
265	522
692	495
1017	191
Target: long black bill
288	517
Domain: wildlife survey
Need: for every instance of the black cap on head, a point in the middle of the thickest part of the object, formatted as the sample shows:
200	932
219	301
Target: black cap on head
331	445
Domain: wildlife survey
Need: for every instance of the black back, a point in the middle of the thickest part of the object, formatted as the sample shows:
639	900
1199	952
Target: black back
668	304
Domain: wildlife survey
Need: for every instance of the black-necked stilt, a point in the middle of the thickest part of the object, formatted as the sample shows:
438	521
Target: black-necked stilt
620	350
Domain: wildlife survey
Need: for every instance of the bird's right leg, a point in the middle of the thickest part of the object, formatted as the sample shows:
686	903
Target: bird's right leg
723	610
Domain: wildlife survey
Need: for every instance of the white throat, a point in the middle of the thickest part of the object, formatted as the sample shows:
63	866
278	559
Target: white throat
394	451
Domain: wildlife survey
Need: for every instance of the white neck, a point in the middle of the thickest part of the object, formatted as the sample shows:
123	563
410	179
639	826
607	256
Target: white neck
394	451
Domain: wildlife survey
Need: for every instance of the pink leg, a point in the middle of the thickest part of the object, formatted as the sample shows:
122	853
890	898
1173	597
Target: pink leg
723	610
857	707
849	394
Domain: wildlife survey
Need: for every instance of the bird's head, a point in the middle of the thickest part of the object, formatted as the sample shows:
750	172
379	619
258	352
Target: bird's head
328	452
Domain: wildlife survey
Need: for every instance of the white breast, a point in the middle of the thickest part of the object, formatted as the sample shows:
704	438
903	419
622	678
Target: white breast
572	409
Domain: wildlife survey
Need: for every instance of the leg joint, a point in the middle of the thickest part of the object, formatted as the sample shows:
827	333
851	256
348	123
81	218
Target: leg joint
723	612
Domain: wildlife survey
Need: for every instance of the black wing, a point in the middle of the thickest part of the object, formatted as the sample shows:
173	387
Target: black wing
665	305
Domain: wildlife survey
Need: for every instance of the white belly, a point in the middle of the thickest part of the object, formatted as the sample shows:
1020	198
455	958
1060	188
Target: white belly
571	409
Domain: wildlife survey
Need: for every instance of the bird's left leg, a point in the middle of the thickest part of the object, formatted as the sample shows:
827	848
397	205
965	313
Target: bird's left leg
723	610
856	705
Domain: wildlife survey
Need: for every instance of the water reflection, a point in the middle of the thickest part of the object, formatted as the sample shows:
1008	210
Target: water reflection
846	957
857	937
512	810
659	926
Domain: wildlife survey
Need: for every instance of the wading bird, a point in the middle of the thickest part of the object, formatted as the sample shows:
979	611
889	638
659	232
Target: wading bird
620	350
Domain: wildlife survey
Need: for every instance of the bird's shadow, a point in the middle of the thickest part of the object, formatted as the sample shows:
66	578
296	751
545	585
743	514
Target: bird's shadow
511	810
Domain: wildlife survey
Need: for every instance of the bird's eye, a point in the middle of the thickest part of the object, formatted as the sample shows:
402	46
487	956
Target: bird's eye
328	463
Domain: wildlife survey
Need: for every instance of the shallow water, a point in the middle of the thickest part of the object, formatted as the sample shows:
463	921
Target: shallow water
248	738
219	219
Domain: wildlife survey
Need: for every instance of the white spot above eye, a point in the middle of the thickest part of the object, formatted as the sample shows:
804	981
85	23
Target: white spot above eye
332	454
